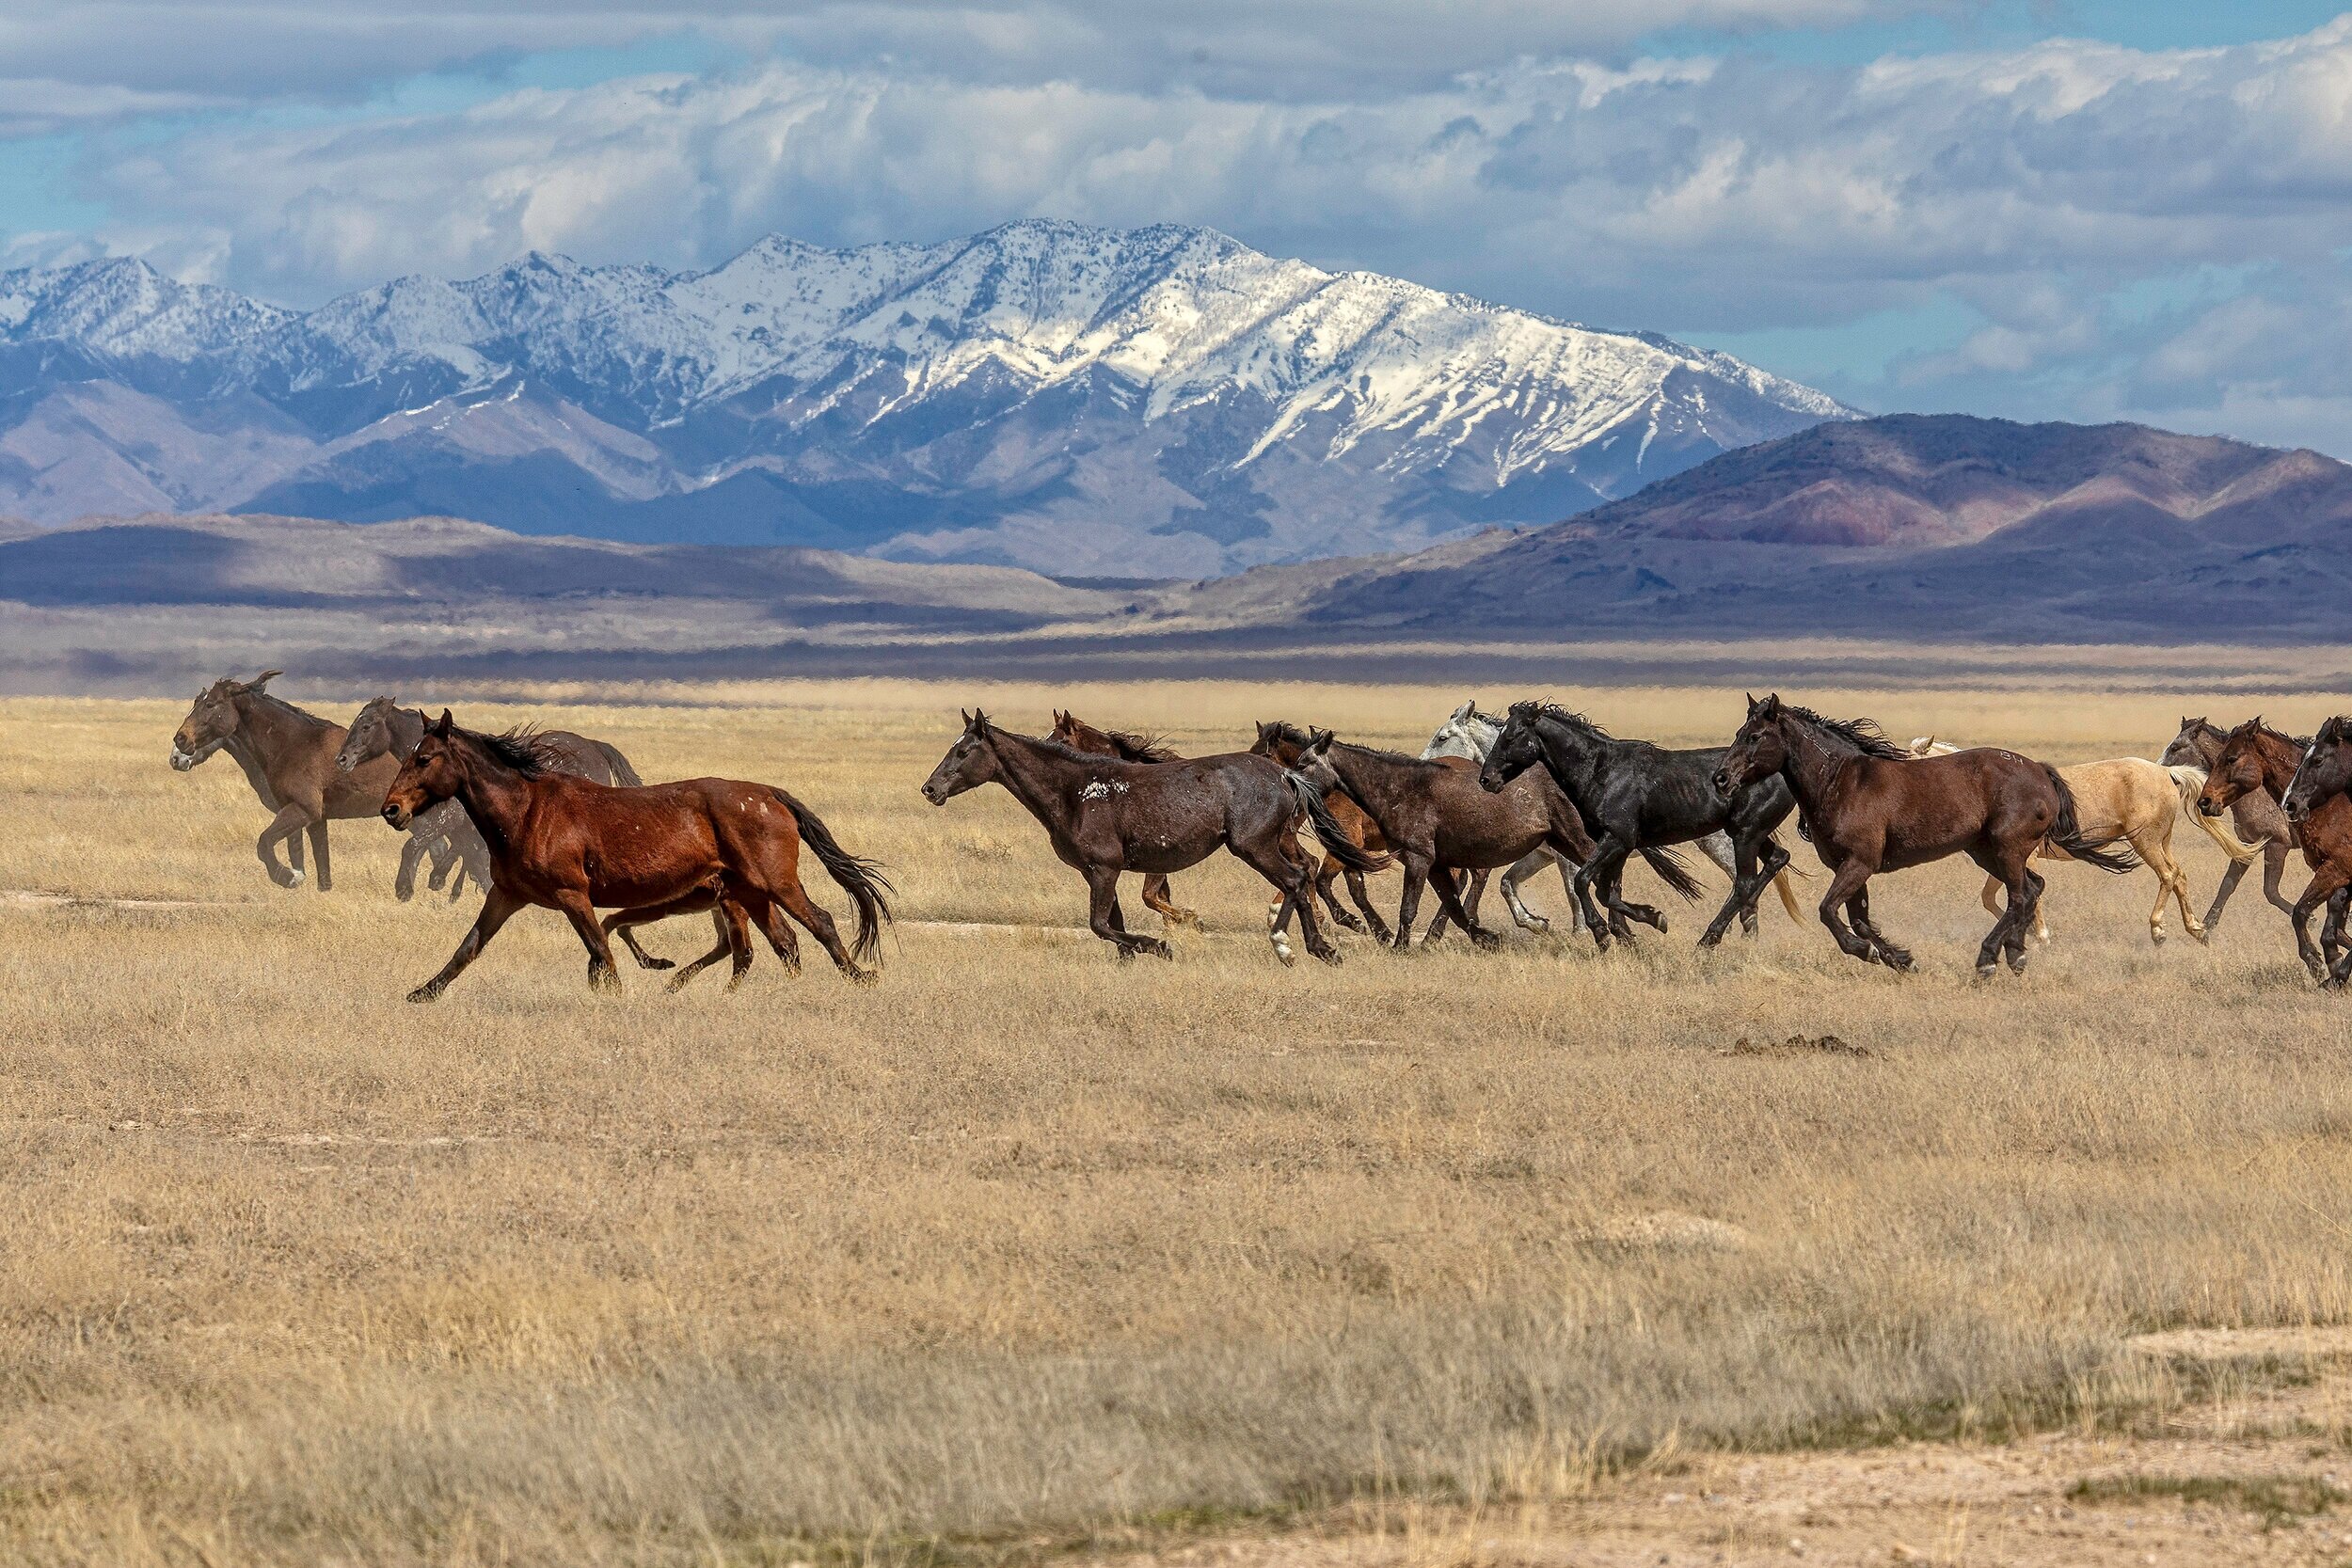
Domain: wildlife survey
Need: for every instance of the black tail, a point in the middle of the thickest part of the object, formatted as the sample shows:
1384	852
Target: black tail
2068	835
1669	868
622	773
1335	840
860	878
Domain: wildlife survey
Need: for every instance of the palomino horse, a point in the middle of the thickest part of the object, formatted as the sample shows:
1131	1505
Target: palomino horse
2318	801
1639	797
561	843
289	758
1103	816
1079	736
383	728
2262	827
2134	800
1438	821
2255	757
1869	808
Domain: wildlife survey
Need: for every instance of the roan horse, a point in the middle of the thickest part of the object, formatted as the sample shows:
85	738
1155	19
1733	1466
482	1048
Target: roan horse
2256	758
1079	736
1438	821
289	758
383	728
1638	797
1868	808
2262	827
1104	815
561	843
2137	800
2318	801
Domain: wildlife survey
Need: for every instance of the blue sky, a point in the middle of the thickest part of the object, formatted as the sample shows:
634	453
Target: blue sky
2080	209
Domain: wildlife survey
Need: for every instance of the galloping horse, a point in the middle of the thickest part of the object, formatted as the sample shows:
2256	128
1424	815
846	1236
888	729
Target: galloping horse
2256	758
289	758
1868	808
1639	797
2261	827
2318	801
2134	800
561	843
383	728
1438	821
1103	816
1079	736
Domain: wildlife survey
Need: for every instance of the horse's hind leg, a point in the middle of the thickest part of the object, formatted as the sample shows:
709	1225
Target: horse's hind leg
1477	884
1859	915
2275	868
1451	902
777	930
286	826
725	946
1156	898
2153	849
412	853
800	907
1295	879
622	923
318	852
1363	897
1517	872
1848	880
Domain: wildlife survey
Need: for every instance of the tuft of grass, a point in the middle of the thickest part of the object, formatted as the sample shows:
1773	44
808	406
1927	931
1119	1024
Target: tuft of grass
2279	1499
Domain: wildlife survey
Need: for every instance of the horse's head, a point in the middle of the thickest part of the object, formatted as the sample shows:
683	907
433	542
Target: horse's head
213	720
1310	760
2236	772
970	763
1278	740
2183	752
1068	728
1757	752
2325	771
370	736
430	774
1463	735
1517	748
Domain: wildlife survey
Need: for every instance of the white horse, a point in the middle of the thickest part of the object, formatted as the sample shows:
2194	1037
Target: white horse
1471	733
2138	800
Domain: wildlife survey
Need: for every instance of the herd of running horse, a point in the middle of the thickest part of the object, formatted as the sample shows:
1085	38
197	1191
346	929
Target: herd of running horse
561	820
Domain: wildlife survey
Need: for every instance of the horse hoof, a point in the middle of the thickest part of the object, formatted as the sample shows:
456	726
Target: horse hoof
1485	942
1160	950
426	993
2202	935
678	984
1898	961
1538	924
1328	955
656	963
1986	972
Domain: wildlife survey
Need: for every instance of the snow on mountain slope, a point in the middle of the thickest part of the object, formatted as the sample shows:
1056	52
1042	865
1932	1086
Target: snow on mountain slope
1157	401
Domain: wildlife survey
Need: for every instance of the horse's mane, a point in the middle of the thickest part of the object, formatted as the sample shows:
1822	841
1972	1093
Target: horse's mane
1053	747
523	749
1130	746
1384	754
2300	742
279	705
1570	716
1863	735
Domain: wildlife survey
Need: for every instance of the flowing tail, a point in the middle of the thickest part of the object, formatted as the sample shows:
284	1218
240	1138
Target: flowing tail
2067	833
1335	840
1785	885
622	773
860	878
1669	868
2190	781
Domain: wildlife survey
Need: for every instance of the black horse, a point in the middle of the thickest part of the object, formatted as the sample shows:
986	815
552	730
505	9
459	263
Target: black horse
1105	816
1635	796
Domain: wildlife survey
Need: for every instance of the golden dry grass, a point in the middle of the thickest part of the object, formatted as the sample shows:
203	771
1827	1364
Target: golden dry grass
1025	1244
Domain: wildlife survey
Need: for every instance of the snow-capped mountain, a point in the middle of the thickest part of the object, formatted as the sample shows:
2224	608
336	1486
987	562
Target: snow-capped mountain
1160	402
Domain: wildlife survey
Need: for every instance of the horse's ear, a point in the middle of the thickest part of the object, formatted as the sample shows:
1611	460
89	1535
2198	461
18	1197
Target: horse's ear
263	679
1769	706
441	725
980	719
1469	706
1319	741
1753	704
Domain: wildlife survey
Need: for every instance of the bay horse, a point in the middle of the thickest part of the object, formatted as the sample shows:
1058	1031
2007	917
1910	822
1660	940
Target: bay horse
652	850
1467	735
1437	819
2262	827
383	728
2256	758
2318	801
2134	800
288	756
1868	807
1104	815
1636	796
1079	736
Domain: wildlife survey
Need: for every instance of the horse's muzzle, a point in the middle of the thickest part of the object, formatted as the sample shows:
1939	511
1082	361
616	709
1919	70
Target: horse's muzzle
397	815
2206	808
1722	781
931	793
181	761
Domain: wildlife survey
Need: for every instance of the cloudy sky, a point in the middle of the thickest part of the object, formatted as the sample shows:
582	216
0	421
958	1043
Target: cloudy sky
2083	209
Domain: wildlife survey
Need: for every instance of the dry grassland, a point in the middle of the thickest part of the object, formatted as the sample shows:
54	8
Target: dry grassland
1025	1246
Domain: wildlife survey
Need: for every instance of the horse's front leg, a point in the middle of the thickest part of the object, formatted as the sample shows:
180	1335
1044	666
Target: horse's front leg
2274	873
1363	897
1408	903
318	852
2331	930
1326	876
2015	920
1157	899
1858	916
2323	884
412	851
1745	886
603	973
1295	880
1105	921
1607	854
1850	877
1450	900
496	910
287	824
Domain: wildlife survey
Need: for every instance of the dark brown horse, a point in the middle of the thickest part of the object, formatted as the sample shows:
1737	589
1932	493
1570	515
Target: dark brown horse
289	758
2318	801
2256	759
1079	736
651	851
1870	807
2254	815
1103	816
383	728
1438	821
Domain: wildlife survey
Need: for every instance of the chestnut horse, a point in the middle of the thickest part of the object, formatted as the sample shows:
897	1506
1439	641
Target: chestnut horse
2318	801
561	843
2256	758
2262	827
289	758
1079	736
1104	815
1868	807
